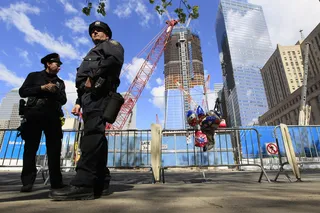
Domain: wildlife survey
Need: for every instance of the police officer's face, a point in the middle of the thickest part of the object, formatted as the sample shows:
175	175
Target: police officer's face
53	67
97	34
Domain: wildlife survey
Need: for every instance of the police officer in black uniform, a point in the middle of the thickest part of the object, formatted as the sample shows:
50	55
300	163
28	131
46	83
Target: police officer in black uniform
97	79
46	94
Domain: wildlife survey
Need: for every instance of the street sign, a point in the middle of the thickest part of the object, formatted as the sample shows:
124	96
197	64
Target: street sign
272	148
146	145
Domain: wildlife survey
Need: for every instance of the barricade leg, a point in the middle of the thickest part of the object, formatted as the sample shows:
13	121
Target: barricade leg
156	155
290	153
282	170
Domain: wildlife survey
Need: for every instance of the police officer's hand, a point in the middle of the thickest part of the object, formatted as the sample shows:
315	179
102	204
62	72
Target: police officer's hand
76	109
50	87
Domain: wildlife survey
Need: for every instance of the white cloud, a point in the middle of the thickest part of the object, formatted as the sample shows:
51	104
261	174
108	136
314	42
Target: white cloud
130	71
159	81
125	10
68	7
25	56
158	98
9	77
77	25
81	40
72	76
286	17
107	4
71	93
16	15
211	97
4	52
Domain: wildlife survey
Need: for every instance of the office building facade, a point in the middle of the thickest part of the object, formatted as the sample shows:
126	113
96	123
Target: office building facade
244	47
283	73
287	111
9	108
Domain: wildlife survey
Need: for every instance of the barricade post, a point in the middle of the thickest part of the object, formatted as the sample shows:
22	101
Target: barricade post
156	145
305	148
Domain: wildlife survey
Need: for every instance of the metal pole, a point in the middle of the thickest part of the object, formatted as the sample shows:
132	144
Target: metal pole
236	131
233	110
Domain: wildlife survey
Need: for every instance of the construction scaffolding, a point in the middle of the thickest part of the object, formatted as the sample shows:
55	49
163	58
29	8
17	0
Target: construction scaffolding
183	64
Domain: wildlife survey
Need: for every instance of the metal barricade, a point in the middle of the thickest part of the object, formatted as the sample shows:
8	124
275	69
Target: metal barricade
129	148
234	147
12	147
306	145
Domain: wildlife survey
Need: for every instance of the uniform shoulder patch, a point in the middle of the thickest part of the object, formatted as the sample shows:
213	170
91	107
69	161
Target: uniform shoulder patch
114	42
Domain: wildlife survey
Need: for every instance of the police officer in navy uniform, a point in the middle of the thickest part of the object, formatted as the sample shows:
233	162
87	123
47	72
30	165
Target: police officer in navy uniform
46	95
97	78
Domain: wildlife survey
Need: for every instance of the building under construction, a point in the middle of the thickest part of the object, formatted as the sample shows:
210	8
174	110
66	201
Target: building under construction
183	70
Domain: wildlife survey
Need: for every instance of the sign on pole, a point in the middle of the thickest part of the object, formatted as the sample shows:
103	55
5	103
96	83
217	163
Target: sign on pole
272	148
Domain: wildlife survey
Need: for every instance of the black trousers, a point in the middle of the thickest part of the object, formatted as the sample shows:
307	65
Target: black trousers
33	131
92	166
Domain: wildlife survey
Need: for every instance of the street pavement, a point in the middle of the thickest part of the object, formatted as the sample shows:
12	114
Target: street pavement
184	191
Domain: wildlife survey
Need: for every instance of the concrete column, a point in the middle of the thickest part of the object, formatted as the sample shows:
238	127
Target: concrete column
156	154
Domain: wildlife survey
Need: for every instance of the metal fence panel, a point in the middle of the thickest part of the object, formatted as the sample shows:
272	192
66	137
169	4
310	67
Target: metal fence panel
305	142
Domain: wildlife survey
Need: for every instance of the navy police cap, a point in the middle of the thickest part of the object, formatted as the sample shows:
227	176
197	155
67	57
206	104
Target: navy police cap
102	25
53	57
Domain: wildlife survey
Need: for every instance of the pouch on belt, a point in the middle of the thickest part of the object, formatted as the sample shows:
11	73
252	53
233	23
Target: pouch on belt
113	108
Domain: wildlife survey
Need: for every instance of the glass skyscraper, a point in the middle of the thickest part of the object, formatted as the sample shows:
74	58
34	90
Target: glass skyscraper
244	47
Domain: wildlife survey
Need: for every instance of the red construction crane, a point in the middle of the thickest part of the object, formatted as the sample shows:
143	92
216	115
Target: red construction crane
143	75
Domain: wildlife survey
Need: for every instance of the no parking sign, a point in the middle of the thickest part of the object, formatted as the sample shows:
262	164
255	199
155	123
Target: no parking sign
272	148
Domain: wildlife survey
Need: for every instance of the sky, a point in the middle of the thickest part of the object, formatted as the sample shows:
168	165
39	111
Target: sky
31	29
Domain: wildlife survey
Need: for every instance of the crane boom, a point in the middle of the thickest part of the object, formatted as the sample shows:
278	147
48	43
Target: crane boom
143	75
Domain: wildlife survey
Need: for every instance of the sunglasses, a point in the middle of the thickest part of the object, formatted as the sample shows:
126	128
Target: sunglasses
58	63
